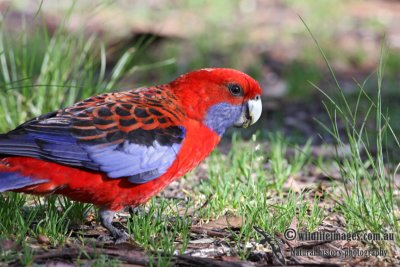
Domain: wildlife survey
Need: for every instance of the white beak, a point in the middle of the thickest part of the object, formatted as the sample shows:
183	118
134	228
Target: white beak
255	109
251	113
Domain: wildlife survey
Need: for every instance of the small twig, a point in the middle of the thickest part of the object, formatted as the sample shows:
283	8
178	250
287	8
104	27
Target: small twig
202	230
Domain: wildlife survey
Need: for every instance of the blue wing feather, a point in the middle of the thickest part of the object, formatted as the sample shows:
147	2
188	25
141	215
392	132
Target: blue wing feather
14	180
137	162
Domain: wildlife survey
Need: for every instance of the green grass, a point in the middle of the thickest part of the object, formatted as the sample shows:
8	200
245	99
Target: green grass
158	228
41	73
369	173
283	166
367	199
16	220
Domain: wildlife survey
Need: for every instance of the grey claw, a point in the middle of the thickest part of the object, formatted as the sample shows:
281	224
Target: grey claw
106	217
123	238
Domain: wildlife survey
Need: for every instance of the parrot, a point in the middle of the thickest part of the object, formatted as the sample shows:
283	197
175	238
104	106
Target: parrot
119	149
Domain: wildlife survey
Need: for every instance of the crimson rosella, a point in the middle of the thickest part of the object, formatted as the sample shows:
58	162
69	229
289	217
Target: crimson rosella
119	149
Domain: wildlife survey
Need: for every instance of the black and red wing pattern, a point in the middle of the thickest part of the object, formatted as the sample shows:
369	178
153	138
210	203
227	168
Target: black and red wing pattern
115	117
134	134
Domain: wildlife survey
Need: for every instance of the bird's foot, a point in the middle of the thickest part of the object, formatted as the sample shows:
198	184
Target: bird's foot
119	235
105	239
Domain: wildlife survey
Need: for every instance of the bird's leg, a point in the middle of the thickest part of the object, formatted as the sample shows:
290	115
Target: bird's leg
106	217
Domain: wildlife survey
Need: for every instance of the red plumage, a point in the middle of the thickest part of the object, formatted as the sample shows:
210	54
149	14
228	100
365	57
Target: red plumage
113	194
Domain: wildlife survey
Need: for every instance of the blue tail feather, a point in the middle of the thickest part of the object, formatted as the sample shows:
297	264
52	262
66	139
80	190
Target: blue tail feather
14	180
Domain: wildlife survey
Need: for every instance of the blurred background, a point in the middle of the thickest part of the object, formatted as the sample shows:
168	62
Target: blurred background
152	42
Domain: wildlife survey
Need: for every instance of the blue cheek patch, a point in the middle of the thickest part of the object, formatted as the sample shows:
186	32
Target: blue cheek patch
222	116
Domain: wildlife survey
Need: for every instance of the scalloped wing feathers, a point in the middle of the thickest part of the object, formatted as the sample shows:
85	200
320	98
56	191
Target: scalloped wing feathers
134	134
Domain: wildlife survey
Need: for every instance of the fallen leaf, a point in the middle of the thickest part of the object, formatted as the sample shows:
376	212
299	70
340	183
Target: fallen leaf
227	221
42	239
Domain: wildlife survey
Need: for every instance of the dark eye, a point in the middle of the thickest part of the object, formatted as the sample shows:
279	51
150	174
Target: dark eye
235	89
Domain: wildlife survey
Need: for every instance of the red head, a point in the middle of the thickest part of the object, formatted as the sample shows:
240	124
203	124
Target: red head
219	97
